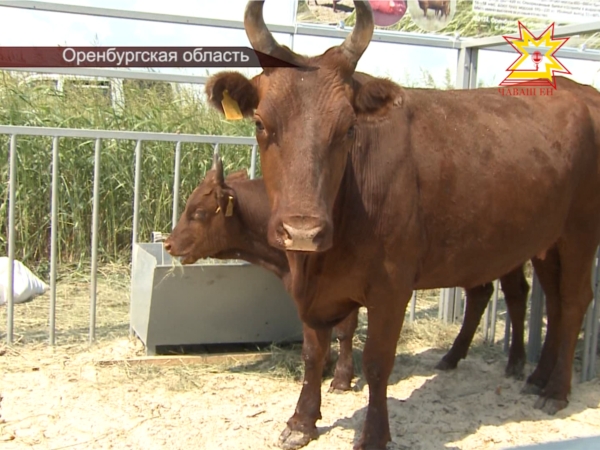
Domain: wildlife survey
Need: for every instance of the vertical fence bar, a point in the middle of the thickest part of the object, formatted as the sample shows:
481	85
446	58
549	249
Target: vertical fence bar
413	306
449	294
534	343
494	312
96	204
459	305
53	244
450	304
588	370
596	314
587	342
12	190
507	331
136	208
486	323
595	334
136	192
176	178
253	162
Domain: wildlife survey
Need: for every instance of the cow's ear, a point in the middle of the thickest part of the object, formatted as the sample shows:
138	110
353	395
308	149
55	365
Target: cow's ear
226	200
237	176
376	96
232	86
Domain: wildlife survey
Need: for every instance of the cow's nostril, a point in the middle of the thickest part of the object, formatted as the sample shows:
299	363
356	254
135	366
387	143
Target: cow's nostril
284	233
167	246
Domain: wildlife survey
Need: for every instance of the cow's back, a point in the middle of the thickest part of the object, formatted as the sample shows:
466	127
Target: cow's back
587	94
458	166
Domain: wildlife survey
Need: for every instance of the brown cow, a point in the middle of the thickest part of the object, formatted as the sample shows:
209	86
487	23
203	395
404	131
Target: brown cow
441	7
242	235
376	190
206	230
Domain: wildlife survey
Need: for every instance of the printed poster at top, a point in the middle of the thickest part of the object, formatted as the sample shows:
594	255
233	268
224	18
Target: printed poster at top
465	18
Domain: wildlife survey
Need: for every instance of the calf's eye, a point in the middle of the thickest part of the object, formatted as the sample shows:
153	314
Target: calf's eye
199	215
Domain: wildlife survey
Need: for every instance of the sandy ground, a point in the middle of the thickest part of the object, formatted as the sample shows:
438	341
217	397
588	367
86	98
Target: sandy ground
58	398
69	402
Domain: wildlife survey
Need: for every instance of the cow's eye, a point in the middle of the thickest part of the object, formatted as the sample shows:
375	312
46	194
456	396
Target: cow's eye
259	125
351	132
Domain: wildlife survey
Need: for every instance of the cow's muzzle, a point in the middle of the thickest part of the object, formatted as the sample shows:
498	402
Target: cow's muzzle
304	234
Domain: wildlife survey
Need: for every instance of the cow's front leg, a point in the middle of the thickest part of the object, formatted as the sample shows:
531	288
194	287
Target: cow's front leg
385	319
301	427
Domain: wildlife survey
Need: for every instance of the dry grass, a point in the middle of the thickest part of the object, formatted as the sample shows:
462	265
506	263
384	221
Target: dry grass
31	320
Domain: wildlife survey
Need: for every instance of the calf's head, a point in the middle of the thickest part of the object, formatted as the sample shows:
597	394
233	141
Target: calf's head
208	225
306	119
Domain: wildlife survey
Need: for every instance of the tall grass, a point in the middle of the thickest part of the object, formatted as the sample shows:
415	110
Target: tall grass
146	108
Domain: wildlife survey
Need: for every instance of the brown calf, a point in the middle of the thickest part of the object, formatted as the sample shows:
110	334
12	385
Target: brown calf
226	218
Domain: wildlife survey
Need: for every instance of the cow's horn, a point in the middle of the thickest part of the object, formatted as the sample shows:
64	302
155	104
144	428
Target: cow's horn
217	166
259	35
359	38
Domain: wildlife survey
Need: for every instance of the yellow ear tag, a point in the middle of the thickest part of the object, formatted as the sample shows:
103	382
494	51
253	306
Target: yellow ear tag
231	107
229	211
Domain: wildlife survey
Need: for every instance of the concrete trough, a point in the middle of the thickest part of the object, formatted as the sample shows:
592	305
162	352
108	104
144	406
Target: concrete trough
209	302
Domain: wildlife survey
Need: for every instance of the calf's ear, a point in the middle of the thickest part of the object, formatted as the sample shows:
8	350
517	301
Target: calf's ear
226	200
376	96
238	175
230	86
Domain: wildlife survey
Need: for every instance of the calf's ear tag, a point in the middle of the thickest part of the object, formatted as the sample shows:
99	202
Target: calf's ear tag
231	107
229	210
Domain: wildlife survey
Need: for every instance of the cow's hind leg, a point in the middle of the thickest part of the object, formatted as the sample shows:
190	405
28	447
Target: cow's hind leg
548	272
477	300
385	319
576	259
301	427
344	369
516	289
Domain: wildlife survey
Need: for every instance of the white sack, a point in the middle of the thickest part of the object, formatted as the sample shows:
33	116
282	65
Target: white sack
26	286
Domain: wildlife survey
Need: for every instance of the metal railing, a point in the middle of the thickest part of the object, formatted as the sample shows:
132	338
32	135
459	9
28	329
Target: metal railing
98	136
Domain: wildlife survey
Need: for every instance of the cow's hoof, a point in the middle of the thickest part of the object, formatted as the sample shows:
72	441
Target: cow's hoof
360	446
339	387
380	444
515	370
531	389
445	364
293	440
550	405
